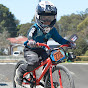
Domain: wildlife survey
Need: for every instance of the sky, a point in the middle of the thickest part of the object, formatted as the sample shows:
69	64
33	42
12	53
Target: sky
24	10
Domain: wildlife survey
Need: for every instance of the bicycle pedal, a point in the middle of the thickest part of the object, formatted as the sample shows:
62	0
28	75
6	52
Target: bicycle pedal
40	83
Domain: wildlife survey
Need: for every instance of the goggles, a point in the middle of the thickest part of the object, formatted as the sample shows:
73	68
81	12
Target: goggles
47	18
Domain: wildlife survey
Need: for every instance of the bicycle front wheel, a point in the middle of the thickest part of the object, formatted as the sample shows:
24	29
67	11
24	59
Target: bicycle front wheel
61	78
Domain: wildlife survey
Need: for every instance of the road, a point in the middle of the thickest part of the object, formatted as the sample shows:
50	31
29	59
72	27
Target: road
78	71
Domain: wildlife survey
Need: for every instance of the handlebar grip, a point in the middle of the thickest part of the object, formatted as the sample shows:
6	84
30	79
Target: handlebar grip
65	45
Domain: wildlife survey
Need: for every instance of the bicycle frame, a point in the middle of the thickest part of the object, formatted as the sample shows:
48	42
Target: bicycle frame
49	65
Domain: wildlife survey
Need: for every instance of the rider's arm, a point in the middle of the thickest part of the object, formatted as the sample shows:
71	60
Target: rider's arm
30	33
55	36
25	43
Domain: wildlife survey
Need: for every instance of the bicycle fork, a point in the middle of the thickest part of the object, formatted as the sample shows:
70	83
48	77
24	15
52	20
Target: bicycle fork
60	79
51	78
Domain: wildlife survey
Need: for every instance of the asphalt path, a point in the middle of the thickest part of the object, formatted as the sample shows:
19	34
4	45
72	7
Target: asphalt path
78	71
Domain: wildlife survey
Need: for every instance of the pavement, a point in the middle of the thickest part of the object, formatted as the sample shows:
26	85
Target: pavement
79	73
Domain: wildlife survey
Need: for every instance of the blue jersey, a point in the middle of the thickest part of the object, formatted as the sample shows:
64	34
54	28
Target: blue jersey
36	34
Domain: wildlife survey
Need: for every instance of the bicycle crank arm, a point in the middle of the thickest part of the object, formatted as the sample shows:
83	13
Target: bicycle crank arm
29	81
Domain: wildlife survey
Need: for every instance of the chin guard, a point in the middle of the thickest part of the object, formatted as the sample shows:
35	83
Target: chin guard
47	29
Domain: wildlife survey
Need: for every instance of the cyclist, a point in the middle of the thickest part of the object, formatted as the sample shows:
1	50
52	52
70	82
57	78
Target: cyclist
40	32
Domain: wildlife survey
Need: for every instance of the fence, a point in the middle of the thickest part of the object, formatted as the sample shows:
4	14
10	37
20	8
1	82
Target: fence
21	57
81	58
17	58
11	57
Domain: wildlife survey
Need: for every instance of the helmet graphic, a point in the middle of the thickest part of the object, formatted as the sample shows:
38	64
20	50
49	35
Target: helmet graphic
45	15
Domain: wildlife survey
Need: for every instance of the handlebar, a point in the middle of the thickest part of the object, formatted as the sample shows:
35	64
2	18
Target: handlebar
65	45
42	44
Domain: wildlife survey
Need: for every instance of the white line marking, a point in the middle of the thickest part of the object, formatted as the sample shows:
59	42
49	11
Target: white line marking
7	63
81	63
75	63
58	64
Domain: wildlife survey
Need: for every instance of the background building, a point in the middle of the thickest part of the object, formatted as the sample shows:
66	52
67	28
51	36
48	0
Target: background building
17	44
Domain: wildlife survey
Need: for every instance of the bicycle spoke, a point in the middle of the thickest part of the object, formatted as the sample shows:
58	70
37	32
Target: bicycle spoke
65	80
65	77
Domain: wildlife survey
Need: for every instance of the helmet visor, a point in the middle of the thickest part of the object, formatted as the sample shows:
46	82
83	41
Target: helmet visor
44	19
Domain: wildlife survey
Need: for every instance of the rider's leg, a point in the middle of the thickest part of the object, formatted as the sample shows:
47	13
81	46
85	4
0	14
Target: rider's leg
32	60
31	63
19	73
44	56
23	68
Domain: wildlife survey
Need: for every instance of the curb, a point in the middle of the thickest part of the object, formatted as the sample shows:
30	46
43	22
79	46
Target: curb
9	61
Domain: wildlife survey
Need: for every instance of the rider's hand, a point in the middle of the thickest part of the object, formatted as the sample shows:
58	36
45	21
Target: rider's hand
31	43
72	44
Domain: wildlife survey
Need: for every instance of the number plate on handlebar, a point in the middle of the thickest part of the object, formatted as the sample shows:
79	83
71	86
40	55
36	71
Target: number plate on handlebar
57	55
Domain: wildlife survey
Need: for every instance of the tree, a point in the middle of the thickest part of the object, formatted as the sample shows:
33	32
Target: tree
3	39
23	28
82	46
83	24
86	53
69	23
8	21
83	27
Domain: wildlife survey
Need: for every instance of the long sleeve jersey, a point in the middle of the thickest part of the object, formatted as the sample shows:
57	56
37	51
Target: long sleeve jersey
36	34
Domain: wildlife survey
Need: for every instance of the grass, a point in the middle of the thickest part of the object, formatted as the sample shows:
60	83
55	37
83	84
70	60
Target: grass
81	61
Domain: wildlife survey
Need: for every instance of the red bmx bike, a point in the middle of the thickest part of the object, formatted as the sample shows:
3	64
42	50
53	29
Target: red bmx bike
58	76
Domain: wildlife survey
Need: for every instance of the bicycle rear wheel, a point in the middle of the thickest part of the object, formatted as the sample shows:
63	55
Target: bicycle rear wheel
57	73
15	85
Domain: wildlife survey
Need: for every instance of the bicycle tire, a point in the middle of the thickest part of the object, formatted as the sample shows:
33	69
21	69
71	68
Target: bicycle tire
15	85
65	73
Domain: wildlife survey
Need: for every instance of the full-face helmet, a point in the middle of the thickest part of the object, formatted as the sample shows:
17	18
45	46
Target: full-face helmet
45	15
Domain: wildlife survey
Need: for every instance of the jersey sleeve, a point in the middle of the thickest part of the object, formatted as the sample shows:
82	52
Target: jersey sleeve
55	36
30	33
25	43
